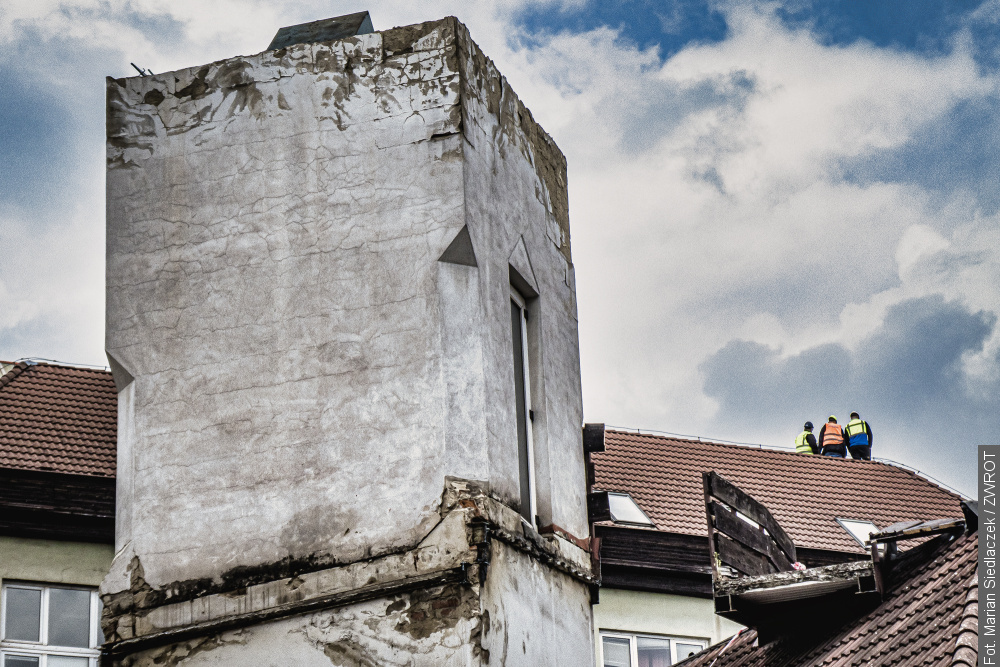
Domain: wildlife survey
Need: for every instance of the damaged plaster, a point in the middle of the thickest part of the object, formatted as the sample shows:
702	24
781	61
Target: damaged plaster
298	366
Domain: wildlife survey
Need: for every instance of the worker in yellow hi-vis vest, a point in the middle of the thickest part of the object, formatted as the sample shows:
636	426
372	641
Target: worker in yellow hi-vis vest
859	438
806	442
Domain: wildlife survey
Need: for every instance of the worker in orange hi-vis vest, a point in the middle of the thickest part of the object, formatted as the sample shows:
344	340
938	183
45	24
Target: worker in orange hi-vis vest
831	439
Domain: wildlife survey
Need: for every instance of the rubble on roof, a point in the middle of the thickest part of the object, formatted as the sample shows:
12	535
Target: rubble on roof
929	616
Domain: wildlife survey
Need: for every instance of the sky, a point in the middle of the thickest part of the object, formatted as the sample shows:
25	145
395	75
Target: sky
779	210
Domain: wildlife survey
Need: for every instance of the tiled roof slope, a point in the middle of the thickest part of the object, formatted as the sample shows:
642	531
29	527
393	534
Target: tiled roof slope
804	493
924	620
58	418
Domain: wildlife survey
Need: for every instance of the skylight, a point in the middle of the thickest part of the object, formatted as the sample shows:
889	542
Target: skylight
625	510
859	529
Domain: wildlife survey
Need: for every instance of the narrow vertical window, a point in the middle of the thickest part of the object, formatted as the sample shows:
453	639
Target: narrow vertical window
522	408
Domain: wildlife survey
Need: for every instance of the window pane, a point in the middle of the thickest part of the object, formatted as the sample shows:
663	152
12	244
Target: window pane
653	652
66	661
23	609
625	510
69	617
20	661
616	652
520	410
685	650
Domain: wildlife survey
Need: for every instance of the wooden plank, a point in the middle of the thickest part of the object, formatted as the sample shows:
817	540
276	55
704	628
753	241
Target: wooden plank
706	480
740	500
900	525
732	526
918	529
741	558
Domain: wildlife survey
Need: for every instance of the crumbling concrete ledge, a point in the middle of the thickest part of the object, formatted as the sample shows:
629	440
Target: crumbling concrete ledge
797	584
454	552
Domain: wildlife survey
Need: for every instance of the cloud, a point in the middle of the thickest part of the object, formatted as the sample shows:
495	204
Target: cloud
911	365
745	193
52	286
906	379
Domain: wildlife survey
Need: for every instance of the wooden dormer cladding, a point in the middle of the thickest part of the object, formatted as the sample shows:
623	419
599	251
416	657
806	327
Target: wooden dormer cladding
733	541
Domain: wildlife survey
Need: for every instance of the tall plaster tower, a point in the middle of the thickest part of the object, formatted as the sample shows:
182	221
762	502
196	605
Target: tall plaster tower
342	321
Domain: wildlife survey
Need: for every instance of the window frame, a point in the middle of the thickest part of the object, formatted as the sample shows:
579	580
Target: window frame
41	649
532	510
842	522
632	638
621	494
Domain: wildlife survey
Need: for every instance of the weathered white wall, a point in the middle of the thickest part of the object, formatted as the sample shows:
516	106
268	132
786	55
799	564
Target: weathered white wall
298	373
431	628
533	615
516	203
53	561
640	612
273	229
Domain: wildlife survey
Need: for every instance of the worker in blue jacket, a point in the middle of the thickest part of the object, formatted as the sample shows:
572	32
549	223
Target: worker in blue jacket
859	438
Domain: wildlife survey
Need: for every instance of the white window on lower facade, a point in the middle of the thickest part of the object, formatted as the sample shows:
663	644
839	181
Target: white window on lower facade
627	650
45	625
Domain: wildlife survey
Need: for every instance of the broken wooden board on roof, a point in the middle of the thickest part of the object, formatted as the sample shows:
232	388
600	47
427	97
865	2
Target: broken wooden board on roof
742	532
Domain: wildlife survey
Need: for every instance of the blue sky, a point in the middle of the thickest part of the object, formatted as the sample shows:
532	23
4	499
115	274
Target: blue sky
779	210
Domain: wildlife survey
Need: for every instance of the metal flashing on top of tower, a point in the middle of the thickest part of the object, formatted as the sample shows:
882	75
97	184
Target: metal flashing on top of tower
324	30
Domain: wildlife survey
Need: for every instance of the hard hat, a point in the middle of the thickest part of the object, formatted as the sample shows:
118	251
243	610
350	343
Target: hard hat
832	419
808	426
855	415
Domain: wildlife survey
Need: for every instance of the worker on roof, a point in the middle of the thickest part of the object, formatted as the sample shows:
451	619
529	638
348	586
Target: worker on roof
859	438
806	442
831	439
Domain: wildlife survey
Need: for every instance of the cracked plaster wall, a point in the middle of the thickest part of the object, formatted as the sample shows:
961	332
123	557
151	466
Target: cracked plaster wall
299	371
430	628
516	206
533	615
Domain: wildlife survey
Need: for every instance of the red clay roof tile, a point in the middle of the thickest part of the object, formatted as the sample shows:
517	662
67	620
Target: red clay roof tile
806	494
58	418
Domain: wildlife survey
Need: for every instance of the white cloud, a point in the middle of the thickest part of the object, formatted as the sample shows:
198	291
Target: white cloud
52	287
707	199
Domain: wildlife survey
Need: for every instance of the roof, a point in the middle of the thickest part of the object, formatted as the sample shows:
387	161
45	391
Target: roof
58	418
806	494
927	618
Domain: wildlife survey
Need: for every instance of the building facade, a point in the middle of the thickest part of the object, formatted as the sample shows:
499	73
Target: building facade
341	318
57	501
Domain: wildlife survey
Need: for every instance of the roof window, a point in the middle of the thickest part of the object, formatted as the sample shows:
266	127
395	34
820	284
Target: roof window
625	510
859	529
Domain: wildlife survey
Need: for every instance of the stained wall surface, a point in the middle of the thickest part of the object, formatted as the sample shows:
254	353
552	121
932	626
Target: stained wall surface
298	373
53	561
436	627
